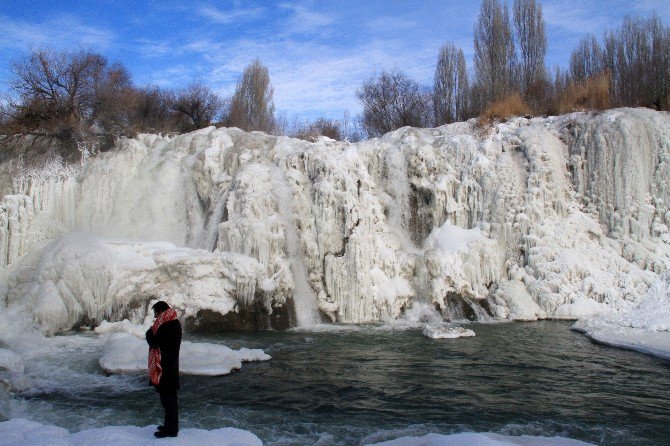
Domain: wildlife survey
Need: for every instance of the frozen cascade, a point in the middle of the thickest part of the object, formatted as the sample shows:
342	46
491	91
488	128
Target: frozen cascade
397	184
306	311
561	217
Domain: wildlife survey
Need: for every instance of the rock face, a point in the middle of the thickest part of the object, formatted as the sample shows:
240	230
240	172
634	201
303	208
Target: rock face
549	217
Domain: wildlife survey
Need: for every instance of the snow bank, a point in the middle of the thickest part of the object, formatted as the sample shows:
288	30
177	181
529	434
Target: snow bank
446	332
18	432
470	439
562	217
124	353
644	328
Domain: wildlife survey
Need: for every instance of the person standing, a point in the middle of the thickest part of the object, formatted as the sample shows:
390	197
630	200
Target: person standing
164	339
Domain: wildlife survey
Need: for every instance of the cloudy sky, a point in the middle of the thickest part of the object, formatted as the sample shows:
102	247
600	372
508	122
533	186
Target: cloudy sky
318	52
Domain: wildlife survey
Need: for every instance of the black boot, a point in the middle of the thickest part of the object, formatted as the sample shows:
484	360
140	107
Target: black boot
164	433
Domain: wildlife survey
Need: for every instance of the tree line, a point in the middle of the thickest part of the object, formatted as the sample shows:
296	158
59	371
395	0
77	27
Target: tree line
70	98
628	66
80	97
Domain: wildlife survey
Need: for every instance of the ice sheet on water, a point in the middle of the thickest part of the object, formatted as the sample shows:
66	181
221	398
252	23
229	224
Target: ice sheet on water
447	332
644	328
125	353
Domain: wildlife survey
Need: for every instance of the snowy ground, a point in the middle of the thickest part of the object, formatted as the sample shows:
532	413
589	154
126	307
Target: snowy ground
21	432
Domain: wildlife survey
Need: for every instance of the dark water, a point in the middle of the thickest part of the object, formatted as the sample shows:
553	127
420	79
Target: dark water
364	384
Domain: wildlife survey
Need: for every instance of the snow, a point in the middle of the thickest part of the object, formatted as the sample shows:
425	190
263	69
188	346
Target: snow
644	328
477	439
11	362
563	217
125	353
124	326
447	332
18	431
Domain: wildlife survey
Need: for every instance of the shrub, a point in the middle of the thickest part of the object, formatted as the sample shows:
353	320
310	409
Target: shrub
590	94
504	109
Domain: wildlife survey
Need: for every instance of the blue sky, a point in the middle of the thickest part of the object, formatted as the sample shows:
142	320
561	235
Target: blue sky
318	52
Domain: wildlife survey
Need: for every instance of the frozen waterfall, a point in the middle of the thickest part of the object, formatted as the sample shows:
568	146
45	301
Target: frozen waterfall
558	217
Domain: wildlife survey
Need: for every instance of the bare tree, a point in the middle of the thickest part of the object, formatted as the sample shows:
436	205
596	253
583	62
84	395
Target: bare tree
495	56
532	41
57	91
637	58
152	111
198	104
252	106
392	100
114	102
586	60
450	91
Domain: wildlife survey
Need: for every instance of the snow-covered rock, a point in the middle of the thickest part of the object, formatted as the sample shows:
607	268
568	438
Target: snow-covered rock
560	217
22	432
124	353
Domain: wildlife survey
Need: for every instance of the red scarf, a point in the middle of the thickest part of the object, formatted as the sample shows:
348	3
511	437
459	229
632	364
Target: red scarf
155	369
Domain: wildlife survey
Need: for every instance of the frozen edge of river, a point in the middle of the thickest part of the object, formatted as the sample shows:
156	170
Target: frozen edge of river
655	343
20	431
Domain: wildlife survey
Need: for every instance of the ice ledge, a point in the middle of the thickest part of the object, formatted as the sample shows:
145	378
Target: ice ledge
656	343
19	432
124	353
483	439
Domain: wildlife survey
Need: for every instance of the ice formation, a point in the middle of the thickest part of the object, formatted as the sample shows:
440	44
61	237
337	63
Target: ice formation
22	432
645	328
550	217
446	332
125	353
469	439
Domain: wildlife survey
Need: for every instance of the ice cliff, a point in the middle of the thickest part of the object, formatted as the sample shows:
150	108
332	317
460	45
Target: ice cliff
548	217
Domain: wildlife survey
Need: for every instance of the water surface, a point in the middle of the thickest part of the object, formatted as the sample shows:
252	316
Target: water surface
355	385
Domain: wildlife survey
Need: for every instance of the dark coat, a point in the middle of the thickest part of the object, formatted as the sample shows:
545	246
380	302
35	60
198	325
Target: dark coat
168	340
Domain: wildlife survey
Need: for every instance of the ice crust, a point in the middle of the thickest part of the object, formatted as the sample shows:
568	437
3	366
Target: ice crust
125	353
22	432
445	332
19	432
485	439
550	217
644	328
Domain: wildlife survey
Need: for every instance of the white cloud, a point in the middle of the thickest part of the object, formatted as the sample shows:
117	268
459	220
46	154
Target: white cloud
389	24
304	20
217	15
308	76
575	17
63	32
